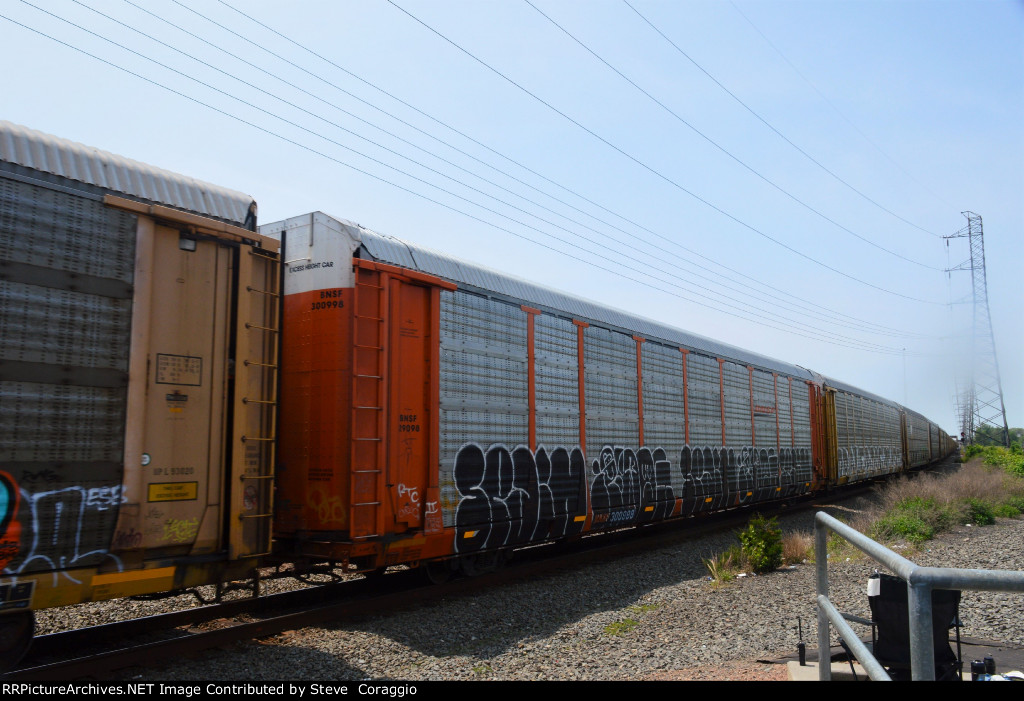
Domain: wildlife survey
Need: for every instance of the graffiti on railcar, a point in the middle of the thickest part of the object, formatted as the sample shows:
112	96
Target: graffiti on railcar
509	497
710	471
630	485
66	528
513	496
10	529
862	461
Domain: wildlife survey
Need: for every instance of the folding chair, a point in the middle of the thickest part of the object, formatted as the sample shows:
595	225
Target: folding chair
890	629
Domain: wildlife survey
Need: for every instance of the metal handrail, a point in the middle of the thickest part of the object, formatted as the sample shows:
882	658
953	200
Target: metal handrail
920	583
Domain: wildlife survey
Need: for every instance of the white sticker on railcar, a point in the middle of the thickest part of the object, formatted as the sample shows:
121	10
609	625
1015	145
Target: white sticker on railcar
16	596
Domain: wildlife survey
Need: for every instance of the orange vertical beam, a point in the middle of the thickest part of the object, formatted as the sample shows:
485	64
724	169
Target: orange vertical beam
531	377
435	388
639	388
686	400
721	395
580	325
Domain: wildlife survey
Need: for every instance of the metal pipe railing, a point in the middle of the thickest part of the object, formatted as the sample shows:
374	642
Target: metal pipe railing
920	583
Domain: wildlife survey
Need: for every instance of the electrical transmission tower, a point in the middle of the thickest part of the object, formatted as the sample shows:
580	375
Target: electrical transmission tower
981	401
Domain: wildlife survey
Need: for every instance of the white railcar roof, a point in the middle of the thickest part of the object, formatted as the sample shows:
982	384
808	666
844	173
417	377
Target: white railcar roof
388	249
74	161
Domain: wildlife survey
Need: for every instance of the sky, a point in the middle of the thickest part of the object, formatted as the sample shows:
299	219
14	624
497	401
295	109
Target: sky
778	175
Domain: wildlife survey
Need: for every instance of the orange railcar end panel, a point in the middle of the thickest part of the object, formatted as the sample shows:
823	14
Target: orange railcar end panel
314	428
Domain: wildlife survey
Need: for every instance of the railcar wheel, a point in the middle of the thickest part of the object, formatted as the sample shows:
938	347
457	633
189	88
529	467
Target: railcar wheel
437	571
16	631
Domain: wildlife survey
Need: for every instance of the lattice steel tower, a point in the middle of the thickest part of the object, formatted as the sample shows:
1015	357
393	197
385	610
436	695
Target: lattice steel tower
981	401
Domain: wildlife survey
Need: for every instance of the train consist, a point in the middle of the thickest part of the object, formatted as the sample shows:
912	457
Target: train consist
185	397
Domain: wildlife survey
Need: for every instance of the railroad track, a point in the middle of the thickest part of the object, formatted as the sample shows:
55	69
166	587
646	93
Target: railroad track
140	641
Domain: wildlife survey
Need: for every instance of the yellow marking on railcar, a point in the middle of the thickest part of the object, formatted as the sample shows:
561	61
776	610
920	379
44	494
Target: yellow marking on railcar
117	584
749	493
708	500
173	491
469	534
648	508
578	519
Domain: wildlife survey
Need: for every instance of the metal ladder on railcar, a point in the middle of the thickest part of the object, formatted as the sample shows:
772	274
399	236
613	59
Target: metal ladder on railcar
259	371
369	385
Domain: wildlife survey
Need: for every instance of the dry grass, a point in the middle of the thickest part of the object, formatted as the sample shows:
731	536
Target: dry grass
797	547
915	507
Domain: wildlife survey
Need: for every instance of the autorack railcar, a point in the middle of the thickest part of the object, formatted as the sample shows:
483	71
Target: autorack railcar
180	404
137	388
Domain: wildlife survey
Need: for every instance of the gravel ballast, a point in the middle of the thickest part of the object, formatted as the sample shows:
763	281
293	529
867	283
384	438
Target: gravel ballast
651	616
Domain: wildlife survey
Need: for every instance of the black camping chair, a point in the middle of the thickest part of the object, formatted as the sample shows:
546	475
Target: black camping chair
890	629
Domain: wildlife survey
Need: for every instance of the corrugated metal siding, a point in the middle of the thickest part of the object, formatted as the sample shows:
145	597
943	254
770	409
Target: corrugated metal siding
867	437
610	402
65	316
705	401
765	411
664	418
737	405
557	382
484	384
395	251
802	468
917	438
50	154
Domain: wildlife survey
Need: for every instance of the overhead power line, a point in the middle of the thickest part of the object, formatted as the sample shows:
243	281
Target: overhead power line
837	111
657	173
432	118
721	148
617	270
820	313
793	323
782	136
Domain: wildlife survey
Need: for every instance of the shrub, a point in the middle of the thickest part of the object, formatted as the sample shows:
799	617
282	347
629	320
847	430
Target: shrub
1007	511
762	544
980	512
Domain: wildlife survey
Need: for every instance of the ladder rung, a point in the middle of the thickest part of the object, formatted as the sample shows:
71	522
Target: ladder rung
261	328
378	408
366	284
262	292
255	438
366	472
246	400
368	318
368	503
255	516
365	537
372	377
355	439
370	347
257	477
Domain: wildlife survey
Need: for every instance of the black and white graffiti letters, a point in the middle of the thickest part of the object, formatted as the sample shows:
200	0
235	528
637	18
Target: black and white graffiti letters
513	496
710	471
860	461
67	528
509	497
630	485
